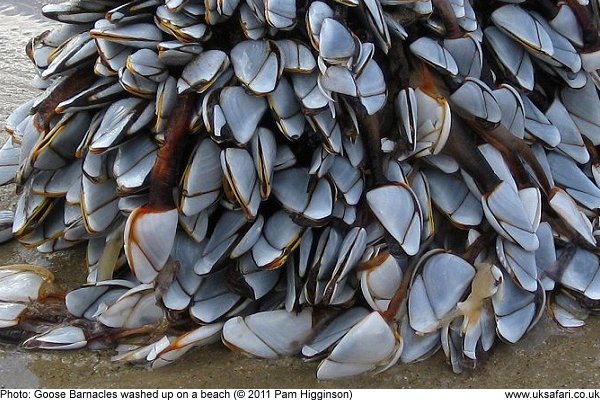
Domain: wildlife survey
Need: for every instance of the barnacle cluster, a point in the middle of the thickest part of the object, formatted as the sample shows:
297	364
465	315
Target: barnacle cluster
302	177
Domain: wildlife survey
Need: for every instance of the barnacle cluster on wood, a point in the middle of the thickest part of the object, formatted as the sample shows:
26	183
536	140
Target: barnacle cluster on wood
359	182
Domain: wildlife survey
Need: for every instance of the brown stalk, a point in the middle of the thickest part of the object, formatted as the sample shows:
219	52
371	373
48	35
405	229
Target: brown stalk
164	173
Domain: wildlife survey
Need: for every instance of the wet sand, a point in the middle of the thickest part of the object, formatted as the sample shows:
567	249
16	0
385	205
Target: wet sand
547	357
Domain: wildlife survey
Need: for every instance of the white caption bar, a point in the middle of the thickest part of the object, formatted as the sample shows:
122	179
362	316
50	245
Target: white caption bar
299	394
